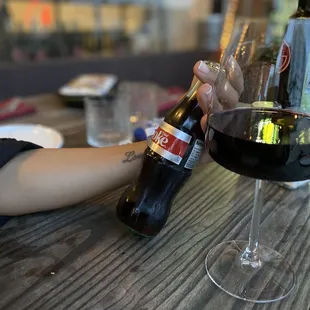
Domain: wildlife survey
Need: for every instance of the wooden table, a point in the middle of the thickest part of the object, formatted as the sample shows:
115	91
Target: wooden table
83	258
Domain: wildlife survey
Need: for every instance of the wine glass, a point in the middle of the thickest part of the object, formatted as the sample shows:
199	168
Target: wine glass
250	134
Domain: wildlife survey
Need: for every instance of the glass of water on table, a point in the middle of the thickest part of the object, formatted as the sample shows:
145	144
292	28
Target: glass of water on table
108	119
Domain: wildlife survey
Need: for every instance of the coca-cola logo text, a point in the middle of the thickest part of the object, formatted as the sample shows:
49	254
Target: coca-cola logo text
160	138
169	142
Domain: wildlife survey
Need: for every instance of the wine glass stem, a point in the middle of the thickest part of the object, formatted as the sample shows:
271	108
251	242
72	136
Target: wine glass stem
250	256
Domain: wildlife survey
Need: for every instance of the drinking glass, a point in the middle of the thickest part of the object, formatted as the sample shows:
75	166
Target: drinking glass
108	120
144	98
250	134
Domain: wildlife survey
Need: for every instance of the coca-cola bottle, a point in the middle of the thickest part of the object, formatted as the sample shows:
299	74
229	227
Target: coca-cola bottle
172	153
293	63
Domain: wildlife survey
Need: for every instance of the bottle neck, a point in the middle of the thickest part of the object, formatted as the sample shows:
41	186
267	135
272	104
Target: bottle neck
193	89
303	10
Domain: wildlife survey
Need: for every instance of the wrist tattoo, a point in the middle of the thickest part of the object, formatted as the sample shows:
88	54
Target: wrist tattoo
131	156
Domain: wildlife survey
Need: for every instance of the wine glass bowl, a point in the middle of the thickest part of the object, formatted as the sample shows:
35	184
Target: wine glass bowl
249	133
261	143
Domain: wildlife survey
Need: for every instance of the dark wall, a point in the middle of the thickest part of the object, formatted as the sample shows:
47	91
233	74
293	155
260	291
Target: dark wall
164	69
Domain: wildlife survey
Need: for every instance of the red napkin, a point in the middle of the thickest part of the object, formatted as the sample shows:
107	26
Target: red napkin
14	107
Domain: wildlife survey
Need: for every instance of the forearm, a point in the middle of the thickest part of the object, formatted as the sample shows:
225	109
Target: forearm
47	179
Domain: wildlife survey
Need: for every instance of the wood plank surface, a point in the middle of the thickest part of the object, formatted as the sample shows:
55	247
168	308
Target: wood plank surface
83	258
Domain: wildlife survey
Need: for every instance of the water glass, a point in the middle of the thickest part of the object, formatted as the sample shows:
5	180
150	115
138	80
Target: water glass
108	120
144	99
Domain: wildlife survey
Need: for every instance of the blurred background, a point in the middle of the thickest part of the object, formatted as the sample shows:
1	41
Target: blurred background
45	43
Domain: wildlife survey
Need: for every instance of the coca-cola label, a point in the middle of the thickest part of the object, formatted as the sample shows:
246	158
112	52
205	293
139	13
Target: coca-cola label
195	154
285	57
170	142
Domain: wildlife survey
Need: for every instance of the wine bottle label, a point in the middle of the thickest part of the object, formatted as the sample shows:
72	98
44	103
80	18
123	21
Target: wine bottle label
195	154
285	57
305	100
169	142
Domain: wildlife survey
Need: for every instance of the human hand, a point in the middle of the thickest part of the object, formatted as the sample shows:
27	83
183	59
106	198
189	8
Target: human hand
229	88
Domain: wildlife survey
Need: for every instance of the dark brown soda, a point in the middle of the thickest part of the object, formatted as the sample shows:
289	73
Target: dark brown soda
145	205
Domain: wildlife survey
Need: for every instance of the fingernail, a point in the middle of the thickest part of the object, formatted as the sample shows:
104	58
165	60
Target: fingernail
203	68
208	91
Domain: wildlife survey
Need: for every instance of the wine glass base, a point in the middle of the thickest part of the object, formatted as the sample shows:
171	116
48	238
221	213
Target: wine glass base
271	280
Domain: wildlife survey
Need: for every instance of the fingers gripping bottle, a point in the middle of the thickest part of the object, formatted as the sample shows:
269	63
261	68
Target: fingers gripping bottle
172	153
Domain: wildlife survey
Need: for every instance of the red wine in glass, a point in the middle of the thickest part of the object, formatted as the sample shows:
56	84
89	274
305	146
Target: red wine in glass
267	144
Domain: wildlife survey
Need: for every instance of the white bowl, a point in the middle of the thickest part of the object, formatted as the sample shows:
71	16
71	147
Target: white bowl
37	134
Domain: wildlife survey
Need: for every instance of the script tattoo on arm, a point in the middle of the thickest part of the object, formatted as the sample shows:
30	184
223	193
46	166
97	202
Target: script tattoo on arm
131	156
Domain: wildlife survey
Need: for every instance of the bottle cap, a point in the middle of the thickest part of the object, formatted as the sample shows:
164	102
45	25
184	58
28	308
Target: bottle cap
213	66
139	134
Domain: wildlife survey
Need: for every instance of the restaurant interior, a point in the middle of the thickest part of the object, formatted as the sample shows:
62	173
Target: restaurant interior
44	44
89	83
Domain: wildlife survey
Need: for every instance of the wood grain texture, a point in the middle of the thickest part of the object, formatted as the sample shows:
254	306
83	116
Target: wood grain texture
83	258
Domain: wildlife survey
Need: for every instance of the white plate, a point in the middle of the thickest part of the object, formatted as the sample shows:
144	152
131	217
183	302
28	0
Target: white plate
37	134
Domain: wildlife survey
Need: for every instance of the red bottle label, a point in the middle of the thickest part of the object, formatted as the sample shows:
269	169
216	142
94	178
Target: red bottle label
170	143
285	57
